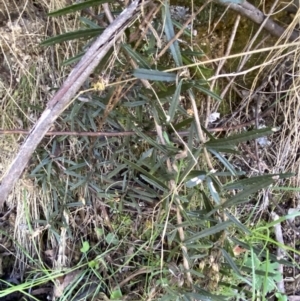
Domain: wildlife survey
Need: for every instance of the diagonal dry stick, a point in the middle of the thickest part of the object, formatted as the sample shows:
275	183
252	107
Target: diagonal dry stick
63	98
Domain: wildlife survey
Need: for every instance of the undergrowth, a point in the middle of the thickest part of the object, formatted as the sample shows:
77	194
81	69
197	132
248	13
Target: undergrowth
151	206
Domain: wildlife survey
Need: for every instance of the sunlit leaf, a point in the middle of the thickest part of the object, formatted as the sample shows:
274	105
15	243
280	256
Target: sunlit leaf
85	247
116	294
195	178
213	190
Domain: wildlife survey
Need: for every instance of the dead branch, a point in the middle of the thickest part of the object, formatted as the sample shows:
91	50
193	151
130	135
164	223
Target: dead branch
251	12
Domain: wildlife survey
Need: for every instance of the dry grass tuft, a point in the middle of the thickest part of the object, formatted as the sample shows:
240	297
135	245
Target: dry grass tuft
28	73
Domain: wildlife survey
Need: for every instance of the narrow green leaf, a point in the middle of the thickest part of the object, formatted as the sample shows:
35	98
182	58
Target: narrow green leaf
235	139
89	23
134	104
203	295
241	184
229	149
225	162
154	75
143	171
242	196
195	178
207	203
141	61
83	33
169	31
174	103
76	7
230	261
73	59
208	92
189	52
186	31
210	231
183	124
149	139
238	223
172	88
189	168
153	183
228	174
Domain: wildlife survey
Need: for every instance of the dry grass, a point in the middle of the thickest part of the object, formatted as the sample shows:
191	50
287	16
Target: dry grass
29	73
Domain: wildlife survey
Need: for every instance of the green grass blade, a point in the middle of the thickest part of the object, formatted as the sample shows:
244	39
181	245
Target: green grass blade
76	7
174	103
169	31
224	161
238	223
154	75
230	262
137	57
235	139
243	196
207	232
241	184
83	33
143	171
208	92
